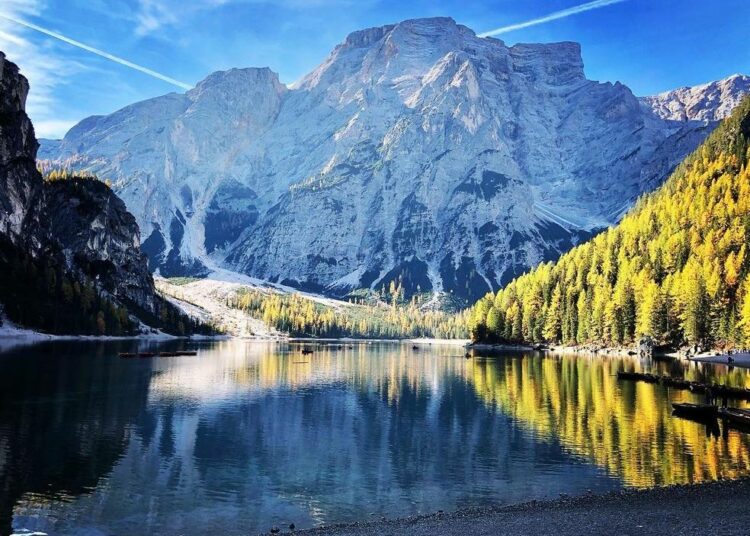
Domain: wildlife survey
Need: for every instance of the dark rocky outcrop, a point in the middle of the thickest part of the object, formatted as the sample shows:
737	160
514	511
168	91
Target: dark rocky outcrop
72	231
90	225
20	182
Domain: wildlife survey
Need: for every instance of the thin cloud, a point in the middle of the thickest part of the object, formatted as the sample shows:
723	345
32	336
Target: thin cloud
96	51
556	15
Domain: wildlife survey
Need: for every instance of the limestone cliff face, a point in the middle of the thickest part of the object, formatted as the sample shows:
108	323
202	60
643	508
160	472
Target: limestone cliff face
77	223
416	152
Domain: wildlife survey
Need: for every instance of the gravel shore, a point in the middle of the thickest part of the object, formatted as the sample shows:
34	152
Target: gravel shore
714	508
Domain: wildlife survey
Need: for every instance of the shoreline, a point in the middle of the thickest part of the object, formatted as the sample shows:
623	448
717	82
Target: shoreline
18	336
10	331
30	336
561	349
672	509
712	356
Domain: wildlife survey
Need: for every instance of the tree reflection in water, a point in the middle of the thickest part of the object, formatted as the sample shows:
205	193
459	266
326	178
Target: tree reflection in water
250	435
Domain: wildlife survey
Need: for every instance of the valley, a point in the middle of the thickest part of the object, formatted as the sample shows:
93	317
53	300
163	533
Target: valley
246	308
443	234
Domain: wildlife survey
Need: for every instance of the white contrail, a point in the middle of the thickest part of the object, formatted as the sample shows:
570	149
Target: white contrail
98	52
575	10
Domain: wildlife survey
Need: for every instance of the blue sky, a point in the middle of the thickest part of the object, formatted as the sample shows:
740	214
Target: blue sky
650	45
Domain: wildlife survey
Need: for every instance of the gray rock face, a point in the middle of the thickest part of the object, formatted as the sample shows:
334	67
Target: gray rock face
19	180
98	236
416	152
78	222
708	102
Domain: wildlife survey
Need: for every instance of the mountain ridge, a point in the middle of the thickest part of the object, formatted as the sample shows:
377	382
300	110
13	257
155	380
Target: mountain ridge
711	101
403	157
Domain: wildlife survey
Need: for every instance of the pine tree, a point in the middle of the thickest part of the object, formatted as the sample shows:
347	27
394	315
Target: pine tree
553	317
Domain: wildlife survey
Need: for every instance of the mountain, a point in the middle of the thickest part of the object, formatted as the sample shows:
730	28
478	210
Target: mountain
708	102
675	269
417	153
70	259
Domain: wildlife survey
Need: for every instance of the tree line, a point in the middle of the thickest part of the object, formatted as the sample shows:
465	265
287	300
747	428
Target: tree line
38	293
300	316
675	268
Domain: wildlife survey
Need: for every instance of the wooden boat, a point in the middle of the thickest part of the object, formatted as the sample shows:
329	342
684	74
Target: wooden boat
695	410
675	382
628	376
638	376
735	416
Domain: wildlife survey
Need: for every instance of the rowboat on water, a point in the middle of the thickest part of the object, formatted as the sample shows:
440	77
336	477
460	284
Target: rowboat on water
160	354
638	376
695	410
735	415
628	375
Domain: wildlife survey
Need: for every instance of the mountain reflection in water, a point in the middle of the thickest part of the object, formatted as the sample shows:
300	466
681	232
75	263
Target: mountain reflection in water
248	435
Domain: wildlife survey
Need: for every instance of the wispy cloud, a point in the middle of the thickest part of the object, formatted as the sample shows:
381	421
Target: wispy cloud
153	16
96	51
556	15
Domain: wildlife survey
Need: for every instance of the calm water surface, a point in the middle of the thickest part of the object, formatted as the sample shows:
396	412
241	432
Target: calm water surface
246	435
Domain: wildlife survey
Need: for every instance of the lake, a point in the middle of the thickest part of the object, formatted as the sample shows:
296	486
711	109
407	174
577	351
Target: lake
248	435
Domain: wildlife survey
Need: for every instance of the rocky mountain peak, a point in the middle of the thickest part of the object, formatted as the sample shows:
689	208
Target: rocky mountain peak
364	38
416	153
19	181
236	80
712	101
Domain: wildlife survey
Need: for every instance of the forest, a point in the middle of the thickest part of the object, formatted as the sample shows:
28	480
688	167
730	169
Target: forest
676	268
303	317
39	294
42	293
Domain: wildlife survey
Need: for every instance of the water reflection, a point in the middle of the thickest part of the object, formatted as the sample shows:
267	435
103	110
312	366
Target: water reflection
246	435
626	428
